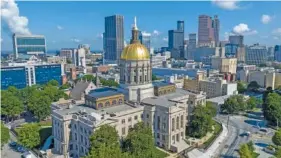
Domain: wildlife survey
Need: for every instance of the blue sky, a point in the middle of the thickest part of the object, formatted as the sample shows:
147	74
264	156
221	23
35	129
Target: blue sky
67	24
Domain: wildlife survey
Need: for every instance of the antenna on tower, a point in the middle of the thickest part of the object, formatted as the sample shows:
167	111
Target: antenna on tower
135	23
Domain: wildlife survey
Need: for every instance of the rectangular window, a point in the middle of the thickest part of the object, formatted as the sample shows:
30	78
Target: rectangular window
135	78
140	79
130	119
163	137
123	121
158	135
147	115
81	138
158	122
136	117
123	131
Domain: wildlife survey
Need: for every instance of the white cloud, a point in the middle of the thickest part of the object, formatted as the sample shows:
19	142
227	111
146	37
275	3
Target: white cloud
227	4
276	38
265	19
227	34
75	40
165	39
59	27
156	33
146	33
243	29
100	35
10	15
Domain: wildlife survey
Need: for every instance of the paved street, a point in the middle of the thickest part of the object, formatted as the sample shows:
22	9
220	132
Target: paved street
236	126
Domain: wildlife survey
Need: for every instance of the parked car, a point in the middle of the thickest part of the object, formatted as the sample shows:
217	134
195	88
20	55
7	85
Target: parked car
263	130
13	144
21	149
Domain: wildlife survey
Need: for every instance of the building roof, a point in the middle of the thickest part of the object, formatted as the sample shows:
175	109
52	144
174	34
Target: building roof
79	88
103	92
166	100
219	100
161	84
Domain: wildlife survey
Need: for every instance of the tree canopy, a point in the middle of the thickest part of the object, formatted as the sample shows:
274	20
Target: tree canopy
28	135
241	87
234	104
104	143
11	105
140	141
5	136
201	121
253	85
276	139
252	103
244	151
272	107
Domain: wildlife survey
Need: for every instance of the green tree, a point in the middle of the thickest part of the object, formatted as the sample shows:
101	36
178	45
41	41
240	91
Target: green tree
253	85
278	153
140	142
28	135
105	143
11	105
201	122
5	136
241	87
234	104
65	86
40	105
252	103
276	139
154	77
68	61
251	147
212	111
53	83
272	107
244	151
279	87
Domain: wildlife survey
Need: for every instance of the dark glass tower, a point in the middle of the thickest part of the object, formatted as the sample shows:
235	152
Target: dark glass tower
113	37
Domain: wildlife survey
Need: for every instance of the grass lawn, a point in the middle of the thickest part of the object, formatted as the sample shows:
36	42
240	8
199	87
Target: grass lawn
255	155
160	154
45	123
217	131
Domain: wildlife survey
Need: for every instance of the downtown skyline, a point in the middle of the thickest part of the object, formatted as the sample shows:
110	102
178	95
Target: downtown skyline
66	25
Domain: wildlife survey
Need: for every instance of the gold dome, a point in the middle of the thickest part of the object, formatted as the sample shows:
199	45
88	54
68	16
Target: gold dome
135	51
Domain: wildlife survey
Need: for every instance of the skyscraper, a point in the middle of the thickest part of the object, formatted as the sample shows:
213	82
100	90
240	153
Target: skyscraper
237	39
191	45
205	30
113	37
29	45
144	38
180	25
176	40
277	53
256	54
216	27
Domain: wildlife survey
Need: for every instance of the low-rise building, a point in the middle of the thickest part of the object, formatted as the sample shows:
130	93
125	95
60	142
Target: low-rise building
225	65
56	59
158	60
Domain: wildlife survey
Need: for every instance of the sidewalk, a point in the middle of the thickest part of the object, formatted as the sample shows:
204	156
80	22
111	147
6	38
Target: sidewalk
212	150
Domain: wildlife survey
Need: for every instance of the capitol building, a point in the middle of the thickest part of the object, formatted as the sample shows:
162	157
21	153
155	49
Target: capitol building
162	106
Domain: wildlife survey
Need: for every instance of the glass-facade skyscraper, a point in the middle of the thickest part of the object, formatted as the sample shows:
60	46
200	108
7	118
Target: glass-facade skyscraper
145	39
176	41
113	37
29	45
277	53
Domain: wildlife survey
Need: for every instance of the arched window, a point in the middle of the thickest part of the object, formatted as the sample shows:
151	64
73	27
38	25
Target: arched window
181	121
120	101
114	102
178	122
107	103
173	124
100	105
